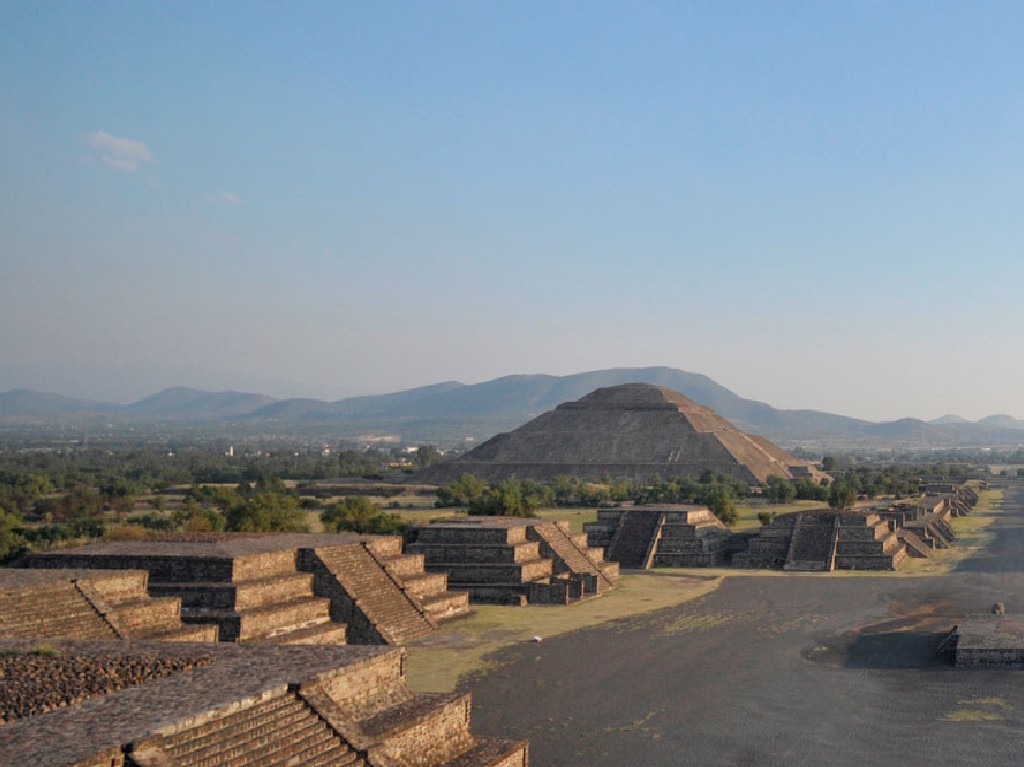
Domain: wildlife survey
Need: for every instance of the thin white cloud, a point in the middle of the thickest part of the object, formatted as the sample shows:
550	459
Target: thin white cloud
125	154
228	198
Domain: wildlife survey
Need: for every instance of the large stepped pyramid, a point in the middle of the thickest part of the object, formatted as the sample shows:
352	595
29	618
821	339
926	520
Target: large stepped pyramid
236	705
631	431
512	560
287	588
659	535
86	604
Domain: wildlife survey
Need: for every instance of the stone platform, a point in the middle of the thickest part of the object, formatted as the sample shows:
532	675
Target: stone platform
514	560
224	705
90	604
288	588
659	535
822	540
987	641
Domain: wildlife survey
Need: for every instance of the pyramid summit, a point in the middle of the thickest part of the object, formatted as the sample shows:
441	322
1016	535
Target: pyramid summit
631	431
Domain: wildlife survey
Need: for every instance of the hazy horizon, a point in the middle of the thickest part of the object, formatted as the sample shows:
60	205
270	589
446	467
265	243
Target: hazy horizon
815	205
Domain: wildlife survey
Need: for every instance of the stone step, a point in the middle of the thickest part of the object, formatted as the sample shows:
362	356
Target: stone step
429	729
459	574
255	567
484	553
402	565
470	533
182	633
238	595
425	584
493	752
447	604
263	622
385	546
136	617
319	633
496	593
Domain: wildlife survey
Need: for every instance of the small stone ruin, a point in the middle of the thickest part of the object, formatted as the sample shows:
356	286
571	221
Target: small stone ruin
660	535
514	561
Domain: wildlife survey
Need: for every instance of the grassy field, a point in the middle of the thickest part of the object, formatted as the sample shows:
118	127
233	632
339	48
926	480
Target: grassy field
461	646
972	534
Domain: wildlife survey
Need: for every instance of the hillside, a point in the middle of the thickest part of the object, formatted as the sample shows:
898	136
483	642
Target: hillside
450	411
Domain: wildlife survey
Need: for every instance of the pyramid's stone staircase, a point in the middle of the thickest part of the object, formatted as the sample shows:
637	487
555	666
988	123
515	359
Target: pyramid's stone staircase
572	554
635	541
90	605
280	729
365	595
813	545
507	560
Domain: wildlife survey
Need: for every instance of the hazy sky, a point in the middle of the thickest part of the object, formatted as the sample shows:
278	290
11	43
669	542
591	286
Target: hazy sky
816	204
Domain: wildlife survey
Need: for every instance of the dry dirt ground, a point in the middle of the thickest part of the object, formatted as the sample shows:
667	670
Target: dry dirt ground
806	670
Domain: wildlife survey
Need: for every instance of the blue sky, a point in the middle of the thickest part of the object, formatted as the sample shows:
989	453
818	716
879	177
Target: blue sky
816	204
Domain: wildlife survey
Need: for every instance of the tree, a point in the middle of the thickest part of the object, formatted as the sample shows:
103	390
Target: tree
462	492
11	543
267	512
505	499
358	514
828	463
842	495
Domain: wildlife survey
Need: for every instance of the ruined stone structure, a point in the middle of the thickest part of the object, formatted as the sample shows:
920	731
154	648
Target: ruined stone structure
89	604
631	431
136	704
511	560
825	540
299	589
987	641
661	535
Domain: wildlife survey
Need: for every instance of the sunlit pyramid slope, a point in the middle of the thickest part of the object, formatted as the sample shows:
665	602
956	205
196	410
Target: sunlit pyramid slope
631	431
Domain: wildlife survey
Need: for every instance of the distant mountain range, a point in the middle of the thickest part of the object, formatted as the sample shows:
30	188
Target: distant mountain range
452	410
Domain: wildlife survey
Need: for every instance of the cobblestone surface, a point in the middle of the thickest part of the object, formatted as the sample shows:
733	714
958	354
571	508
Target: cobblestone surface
33	684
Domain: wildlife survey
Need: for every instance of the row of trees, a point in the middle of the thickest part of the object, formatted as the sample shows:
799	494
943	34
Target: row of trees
513	497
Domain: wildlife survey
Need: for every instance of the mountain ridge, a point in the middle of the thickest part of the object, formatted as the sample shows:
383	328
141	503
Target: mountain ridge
483	409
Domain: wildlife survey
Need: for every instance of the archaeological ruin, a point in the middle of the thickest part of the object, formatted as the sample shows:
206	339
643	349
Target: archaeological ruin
143	704
986	641
665	535
289	588
513	561
633	431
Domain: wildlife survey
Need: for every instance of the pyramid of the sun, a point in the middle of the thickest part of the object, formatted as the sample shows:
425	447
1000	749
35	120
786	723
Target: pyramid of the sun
630	431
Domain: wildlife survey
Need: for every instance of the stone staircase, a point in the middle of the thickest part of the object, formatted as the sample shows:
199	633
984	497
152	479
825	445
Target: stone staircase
571	554
429	591
278	730
362	713
813	545
493	560
635	541
90	605
389	726
365	595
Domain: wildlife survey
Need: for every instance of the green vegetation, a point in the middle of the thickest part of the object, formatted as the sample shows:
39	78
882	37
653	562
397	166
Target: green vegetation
358	514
